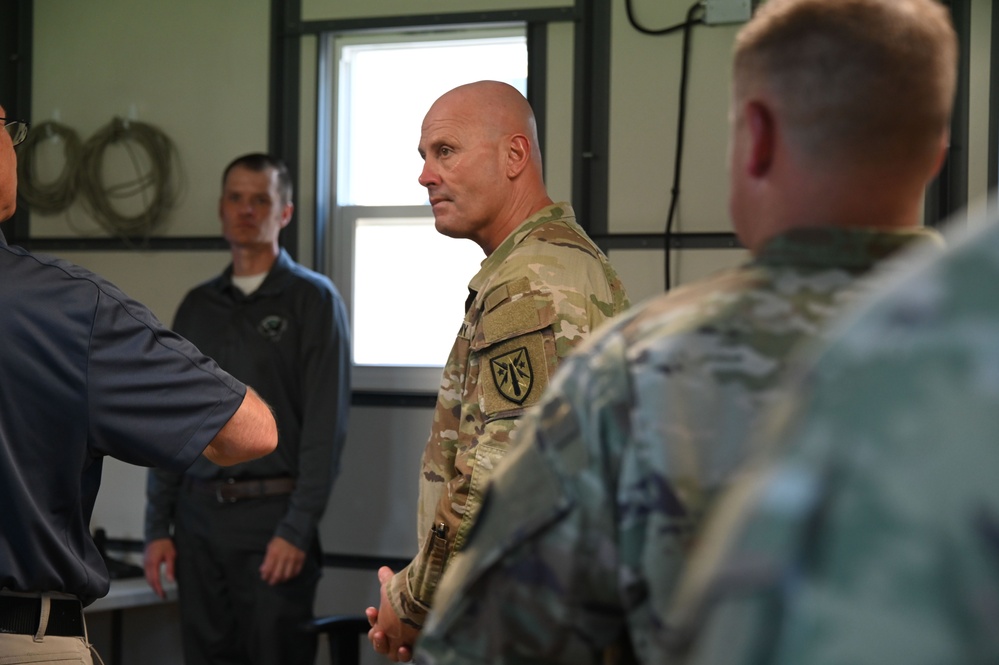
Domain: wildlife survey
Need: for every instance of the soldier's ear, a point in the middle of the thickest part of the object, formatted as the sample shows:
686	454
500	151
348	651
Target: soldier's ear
762	137
518	155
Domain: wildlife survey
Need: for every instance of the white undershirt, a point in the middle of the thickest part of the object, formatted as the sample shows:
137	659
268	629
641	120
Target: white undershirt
248	283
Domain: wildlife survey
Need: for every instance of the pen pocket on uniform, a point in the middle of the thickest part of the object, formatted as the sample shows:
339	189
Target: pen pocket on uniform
424	586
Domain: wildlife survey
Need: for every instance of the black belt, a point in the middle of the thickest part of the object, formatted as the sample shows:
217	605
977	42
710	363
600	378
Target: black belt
20	615
230	489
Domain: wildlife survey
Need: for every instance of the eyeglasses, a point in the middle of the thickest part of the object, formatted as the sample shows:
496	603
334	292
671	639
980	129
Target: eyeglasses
17	129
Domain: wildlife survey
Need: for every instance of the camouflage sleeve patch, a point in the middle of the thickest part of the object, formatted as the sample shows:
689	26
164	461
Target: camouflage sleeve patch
514	374
514	348
516	317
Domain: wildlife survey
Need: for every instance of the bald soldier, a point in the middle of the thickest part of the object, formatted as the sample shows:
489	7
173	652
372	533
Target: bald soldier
543	287
839	120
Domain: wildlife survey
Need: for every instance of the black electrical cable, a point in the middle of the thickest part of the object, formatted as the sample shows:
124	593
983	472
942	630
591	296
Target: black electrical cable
99	198
680	127
55	195
686	26
658	31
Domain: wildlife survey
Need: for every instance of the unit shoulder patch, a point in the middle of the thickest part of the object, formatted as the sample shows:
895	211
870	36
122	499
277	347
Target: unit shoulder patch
513	373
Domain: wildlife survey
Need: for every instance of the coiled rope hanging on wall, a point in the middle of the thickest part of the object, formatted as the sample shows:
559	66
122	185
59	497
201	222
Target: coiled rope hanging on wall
99	198
55	195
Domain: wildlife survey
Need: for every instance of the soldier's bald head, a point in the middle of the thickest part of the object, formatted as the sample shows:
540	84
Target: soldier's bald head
497	108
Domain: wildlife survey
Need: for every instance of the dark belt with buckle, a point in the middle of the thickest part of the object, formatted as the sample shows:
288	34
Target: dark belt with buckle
20	615
231	490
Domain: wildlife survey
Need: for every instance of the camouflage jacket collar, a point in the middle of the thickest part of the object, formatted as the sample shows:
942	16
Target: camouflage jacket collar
551	213
841	247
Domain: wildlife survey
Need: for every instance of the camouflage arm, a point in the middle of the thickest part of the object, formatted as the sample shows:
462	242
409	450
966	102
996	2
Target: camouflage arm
847	558
874	535
539	578
584	570
509	335
503	598
411	591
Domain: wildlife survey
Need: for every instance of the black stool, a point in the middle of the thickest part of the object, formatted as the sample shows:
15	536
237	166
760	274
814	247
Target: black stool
343	633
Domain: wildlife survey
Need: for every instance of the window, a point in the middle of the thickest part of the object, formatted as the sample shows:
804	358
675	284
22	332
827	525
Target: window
404	283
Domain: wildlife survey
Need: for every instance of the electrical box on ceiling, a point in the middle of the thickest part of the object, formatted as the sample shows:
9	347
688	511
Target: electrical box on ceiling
727	11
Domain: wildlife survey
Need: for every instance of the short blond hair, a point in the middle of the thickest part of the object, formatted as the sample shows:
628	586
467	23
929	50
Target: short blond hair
863	79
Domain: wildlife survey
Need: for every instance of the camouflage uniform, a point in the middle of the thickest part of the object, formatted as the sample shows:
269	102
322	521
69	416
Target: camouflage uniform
535	298
587	522
871	532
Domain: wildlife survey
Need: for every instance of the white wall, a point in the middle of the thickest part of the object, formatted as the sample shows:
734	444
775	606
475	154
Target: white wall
196	70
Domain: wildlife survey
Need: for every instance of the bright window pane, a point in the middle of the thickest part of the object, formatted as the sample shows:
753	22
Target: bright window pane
407	284
386	89
410	286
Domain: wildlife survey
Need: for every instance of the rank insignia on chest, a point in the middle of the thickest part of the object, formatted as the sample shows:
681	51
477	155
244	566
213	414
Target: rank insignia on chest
513	374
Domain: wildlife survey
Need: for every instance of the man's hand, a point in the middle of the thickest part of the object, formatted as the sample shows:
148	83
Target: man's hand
282	561
388	635
158	552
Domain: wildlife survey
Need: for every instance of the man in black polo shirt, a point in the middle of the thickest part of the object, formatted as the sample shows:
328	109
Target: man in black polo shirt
243	541
88	372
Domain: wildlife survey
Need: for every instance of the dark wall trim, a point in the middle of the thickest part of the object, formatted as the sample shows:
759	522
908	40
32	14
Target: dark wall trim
676	241
198	243
380	399
324	194
591	115
949	192
422	21
537	76
285	87
994	102
960	132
